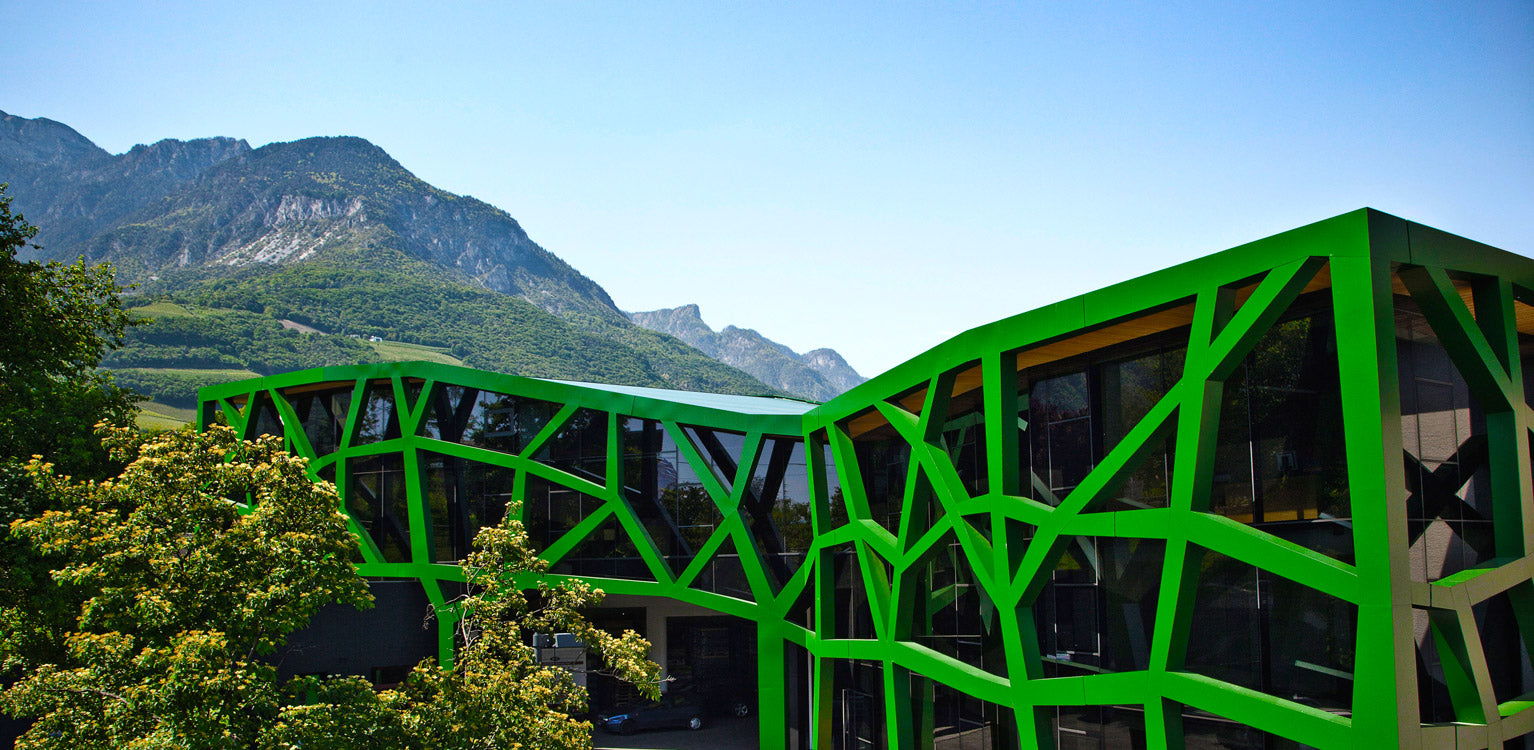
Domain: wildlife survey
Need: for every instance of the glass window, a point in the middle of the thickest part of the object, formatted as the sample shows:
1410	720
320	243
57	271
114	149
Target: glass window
1099	727
606	553
463	497
1099	610
721	451
963	432
484	419
1206	731
857	705
379	419
551	510
1280	458
955	616
851	617
377	499
883	460
323	415
960	721
777	506
1058	434
725	574
651	463
1131	388
264	419
1268	633
579	446
1443	434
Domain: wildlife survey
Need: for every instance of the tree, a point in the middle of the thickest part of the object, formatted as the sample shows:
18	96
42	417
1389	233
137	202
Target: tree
58	322
495	694
207	552
182	590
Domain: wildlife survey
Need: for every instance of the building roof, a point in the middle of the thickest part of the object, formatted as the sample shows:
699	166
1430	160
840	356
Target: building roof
764	405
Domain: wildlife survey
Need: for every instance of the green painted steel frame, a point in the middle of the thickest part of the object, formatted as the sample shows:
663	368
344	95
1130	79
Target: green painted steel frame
1361	255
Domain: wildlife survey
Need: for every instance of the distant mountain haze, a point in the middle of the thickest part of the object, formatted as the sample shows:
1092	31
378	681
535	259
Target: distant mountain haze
333	235
818	375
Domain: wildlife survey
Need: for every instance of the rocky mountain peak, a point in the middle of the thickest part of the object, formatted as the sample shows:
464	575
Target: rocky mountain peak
44	141
178	160
819	375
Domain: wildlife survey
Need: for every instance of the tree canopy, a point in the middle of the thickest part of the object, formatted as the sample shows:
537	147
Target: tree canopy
181	589
59	320
205	554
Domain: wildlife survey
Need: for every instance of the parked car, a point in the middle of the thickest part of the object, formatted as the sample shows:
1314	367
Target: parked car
670	712
718	700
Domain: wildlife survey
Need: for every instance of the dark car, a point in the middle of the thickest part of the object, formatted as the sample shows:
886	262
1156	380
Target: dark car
719	700
670	712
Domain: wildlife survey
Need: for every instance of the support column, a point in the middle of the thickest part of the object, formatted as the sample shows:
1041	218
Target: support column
771	718
1385	711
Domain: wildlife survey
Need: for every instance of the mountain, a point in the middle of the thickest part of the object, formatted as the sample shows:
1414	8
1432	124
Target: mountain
331	236
818	375
72	189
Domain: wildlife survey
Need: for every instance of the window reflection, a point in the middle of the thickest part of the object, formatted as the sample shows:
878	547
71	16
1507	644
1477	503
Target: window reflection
263	419
955	617
462	497
607	552
379	419
1268	633
1099	727
579	446
664	493
323	416
1443	434
1280	455
1059	417
1099	608
883	460
1131	388
484	419
376	498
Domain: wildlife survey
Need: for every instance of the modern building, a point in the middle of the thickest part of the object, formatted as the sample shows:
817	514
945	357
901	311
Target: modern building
1275	497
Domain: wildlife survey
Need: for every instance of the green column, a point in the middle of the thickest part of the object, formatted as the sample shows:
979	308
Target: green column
1385	712
771	718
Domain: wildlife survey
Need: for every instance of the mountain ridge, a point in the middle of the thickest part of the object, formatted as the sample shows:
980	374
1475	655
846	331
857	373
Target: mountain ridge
334	233
820	374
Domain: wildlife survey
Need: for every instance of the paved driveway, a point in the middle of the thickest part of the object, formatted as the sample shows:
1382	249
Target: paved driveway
721	734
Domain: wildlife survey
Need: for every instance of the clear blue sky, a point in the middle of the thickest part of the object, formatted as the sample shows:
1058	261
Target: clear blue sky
873	178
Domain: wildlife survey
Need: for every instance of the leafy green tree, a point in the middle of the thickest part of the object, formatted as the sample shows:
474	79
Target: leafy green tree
495	694
206	553
182	591
58	322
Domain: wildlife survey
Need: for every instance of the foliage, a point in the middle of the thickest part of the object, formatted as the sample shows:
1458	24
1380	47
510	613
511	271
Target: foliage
381	292
182	349
58	321
495	694
181	591
177	388
234	338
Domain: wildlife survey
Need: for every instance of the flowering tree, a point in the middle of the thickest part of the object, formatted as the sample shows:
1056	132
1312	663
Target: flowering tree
205	554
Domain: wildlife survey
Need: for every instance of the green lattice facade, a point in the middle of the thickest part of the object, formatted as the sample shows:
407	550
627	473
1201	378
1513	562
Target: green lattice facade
1279	496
